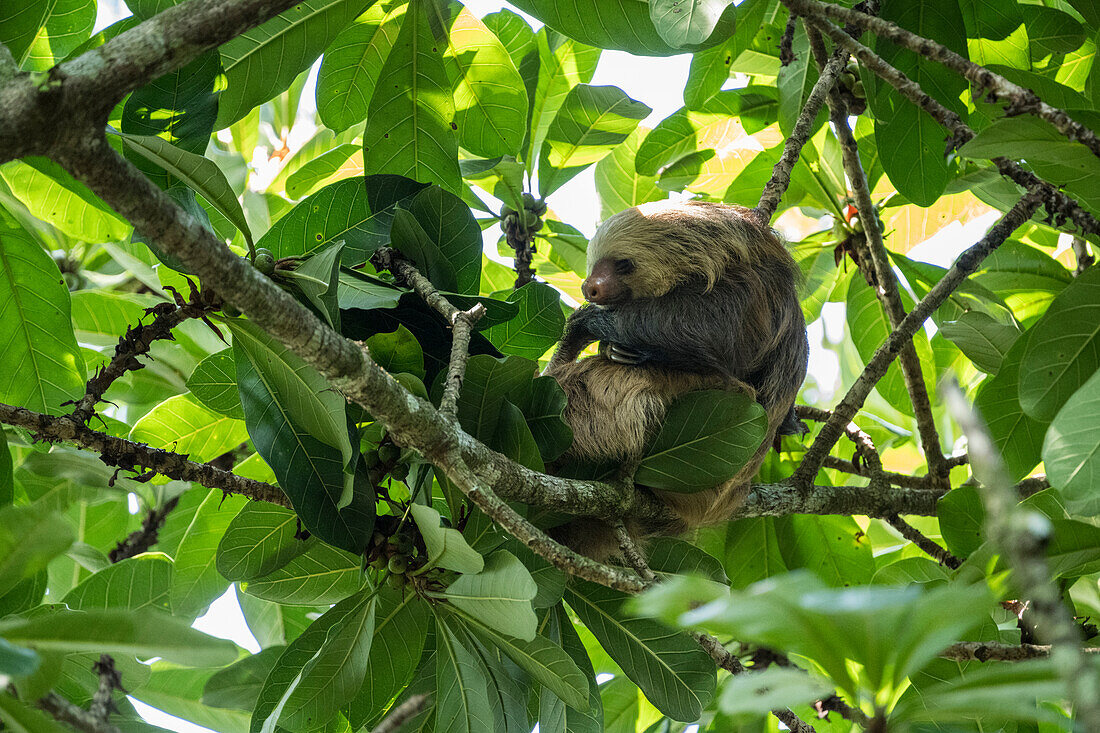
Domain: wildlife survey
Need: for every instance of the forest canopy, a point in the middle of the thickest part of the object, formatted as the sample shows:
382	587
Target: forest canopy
297	357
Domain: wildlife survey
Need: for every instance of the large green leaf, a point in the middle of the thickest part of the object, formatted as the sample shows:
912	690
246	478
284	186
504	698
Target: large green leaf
996	33
238	686
293	421
487	384
263	61
145	633
536	328
30	536
439	233
619	185
260	539
688	23
39	34
183	425
400	630
795	82
555	715
672	670
462	703
22	718
352	64
51	194
196	581
410	127
200	174
489	96
136	582
711	67
1071	450
322	574
983	339
592	120
446	546
1063	348
562	64
499	596
625	25
214	384
835	548
43	366
705	439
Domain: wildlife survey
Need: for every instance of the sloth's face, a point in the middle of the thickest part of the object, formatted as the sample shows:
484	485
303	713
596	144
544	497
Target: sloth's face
608	281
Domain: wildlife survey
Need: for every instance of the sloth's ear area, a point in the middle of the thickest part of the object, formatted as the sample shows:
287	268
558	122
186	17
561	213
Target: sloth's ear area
604	284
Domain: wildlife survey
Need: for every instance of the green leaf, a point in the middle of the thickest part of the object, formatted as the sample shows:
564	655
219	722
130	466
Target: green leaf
352	64
196	581
43	366
962	520
178	691
624	26
201	175
263	61
318	279
617	182
214	384
238	685
705	439
499	596
446	547
544	409
996	33
400	630
260	538
30	536
1071	447
322	574
183	425
795	82
462	703
773	689
834	547
1063	348
682	23
21	718
1017	435
293	417
41	34
438	232
409	123
16	661
343	161
1051	30
144	633
554	714
134	583
591	121
1074	549
669	556
334	675
54	196
536	328
983	339
562	64
711	67
357	290
489	97
672	670
488	382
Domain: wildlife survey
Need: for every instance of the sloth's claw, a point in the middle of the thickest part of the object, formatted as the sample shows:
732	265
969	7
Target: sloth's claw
622	355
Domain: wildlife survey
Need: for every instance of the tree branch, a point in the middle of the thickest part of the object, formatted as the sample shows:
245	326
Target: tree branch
992	651
1022	535
401	714
130	455
74	715
1020	100
965	265
937	553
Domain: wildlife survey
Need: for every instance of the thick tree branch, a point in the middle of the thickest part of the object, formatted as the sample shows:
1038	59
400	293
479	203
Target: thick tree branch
992	651
792	497
792	148
964	266
1020	100
1060	206
130	455
1022	535
39	112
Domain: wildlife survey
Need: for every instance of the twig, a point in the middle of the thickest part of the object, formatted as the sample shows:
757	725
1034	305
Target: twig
1022	536
1020	100
1032	485
130	455
992	651
919	483
911	533
74	715
1084	257
141	540
401	714
392	260
631	553
1060	206
460	353
781	173
887	284
959	460
834	704
966	264
109	680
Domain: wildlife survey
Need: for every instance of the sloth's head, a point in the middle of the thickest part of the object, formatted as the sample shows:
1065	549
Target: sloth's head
647	250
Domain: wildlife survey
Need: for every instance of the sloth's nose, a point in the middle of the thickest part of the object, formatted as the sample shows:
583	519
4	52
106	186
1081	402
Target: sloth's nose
595	289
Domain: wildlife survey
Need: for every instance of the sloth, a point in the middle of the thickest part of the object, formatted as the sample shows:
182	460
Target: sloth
682	296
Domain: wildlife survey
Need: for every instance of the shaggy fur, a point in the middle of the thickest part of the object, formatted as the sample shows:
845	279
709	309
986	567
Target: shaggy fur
709	302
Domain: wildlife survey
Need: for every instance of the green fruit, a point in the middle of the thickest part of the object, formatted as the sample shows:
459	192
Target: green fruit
264	262
404	544
380	563
859	90
532	221
396	580
529	200
398	564
506	211
388	453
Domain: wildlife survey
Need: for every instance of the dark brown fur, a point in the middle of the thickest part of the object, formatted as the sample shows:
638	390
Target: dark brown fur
707	301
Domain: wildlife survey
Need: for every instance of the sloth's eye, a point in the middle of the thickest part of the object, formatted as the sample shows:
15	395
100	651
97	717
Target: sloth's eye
624	267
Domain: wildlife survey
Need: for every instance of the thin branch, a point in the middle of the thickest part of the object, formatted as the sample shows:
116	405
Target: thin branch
402	714
992	651
959	460
911	533
781	173
920	483
1020	100
110	679
1084	258
392	260
74	715
460	353
876	367
130	455
1060	206
1022	535
142	539
631	553
887	284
